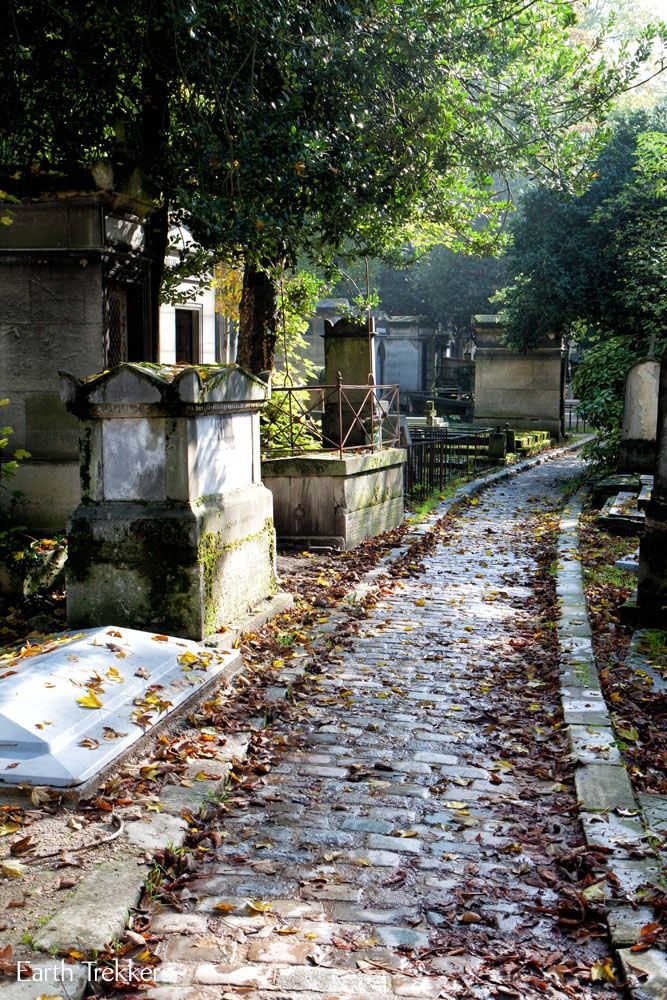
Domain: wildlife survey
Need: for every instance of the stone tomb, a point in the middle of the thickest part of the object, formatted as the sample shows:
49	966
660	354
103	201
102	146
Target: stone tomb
175	530
525	390
323	499
640	417
73	708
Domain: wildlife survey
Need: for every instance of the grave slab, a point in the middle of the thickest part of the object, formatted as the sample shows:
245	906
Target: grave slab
71	706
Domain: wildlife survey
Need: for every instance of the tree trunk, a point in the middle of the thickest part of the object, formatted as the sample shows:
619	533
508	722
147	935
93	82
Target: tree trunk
257	321
157	238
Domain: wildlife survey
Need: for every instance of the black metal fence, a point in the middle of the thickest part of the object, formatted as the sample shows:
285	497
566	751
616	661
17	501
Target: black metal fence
574	424
438	454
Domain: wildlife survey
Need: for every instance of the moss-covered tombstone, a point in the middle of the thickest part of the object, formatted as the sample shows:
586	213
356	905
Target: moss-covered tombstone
175	530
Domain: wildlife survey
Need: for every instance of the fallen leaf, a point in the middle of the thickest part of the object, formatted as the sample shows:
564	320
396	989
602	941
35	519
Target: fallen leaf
89	743
11	869
259	906
40	794
89	700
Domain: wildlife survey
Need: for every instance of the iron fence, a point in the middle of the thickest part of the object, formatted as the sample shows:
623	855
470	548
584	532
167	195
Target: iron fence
573	422
437	455
337	417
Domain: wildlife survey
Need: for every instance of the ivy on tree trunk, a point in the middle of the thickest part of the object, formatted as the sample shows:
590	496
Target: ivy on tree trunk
257	320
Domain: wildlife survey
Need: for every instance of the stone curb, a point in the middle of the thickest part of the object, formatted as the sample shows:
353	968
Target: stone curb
159	830
610	814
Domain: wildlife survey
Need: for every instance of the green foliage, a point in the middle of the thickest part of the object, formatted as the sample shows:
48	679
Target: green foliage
296	126
283	426
596	261
595	268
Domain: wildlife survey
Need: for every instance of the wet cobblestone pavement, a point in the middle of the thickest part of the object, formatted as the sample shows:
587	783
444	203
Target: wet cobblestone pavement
423	841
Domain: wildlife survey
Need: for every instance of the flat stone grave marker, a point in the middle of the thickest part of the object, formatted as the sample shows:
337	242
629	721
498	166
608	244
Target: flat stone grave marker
72	705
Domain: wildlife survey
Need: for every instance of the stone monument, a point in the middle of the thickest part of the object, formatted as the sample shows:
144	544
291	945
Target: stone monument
652	581
640	417
526	390
349	352
74	283
174	531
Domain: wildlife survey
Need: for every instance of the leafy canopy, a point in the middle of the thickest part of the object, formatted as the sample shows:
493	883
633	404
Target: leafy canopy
278	127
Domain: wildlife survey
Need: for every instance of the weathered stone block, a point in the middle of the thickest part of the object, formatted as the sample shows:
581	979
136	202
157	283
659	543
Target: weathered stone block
336	501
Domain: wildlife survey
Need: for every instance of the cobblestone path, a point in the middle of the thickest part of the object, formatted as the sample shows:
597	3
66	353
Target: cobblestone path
418	844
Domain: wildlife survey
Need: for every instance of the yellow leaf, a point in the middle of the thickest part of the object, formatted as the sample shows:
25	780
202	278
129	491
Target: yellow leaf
259	906
420	602
7	828
406	833
287	930
40	794
278	663
363	863
11	869
225	907
604	971
89	700
115	675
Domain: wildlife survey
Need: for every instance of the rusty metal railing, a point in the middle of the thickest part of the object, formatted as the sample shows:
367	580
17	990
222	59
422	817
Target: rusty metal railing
338	417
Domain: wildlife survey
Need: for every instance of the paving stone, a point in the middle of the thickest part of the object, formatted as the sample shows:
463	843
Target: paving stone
625	924
334	981
633	874
167	922
401	937
404	845
283	951
346	913
413	986
603	786
621	834
50	977
593	745
650	968
97	909
365	824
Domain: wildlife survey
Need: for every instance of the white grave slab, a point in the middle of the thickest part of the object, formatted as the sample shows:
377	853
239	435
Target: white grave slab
128	680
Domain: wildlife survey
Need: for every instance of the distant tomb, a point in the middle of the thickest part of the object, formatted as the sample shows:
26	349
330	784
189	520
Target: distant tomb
640	417
524	390
175	529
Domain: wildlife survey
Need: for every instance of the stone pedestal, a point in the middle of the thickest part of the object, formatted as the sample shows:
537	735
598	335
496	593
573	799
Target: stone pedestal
349	352
640	417
652	581
174	531
324	500
524	390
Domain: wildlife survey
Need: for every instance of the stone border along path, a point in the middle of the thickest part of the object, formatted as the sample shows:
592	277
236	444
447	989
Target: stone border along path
97	910
611	815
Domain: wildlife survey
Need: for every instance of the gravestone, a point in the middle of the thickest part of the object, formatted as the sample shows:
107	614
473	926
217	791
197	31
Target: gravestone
349	353
652	578
640	417
526	390
72	706
175	529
